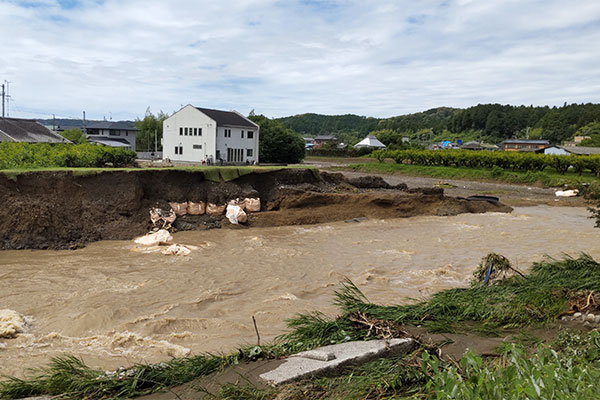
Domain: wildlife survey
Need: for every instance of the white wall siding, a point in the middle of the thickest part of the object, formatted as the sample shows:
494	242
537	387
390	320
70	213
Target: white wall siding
236	142
556	151
189	117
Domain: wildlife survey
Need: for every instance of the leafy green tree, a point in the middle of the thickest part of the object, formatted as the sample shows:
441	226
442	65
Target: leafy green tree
148	127
277	143
593	131
74	135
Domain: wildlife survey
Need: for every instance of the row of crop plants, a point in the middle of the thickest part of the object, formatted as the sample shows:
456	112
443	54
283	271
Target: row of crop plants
45	155
487	159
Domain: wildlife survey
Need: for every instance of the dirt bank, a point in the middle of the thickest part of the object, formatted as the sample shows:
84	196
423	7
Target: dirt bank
59	209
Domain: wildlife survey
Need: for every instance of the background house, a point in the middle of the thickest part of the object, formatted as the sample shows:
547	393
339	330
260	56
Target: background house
28	131
195	134
567	150
323	139
114	134
370	141
524	145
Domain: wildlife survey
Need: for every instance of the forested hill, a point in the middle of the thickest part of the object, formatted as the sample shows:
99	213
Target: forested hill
491	122
317	124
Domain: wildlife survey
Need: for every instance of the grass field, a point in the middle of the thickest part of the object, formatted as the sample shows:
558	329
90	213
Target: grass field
548	177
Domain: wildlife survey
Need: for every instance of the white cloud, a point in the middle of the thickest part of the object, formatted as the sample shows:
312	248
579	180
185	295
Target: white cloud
377	58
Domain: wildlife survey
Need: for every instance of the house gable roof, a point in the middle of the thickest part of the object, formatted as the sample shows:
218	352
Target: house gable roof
27	130
370	141
227	118
120	125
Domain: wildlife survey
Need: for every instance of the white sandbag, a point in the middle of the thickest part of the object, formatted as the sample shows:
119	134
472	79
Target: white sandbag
251	205
155	238
179	208
566	193
235	214
213	209
196	208
176	250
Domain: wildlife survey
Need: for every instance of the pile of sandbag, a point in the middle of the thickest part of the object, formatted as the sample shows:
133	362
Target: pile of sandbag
162	219
236	211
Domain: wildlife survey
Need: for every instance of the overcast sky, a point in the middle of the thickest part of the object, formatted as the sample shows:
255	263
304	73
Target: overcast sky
370	57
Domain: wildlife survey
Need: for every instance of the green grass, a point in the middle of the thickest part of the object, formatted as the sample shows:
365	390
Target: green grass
569	369
514	302
548	177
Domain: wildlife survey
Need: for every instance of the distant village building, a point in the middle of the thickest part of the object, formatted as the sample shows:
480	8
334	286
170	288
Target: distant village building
113	134
473	145
27	131
323	139
195	134
567	150
370	141
524	145
309	143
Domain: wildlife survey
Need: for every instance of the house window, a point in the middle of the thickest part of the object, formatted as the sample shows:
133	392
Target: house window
195	131
227	132
176	150
250	135
199	131
248	152
180	150
185	131
197	146
242	134
180	131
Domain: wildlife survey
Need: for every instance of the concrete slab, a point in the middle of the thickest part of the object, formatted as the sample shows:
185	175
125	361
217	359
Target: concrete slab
331	360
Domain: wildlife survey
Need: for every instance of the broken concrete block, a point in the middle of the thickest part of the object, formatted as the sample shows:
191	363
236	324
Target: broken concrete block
301	365
319	355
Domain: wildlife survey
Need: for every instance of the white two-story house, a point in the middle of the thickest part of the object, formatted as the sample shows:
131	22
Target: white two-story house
195	134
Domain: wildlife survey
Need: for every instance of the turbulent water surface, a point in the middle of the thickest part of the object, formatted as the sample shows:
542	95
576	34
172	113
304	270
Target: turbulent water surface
114	305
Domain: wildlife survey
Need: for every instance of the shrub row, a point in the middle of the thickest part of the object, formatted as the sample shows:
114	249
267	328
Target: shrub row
347	152
487	159
43	155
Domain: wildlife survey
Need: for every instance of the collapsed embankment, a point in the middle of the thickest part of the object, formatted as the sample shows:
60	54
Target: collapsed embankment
61	209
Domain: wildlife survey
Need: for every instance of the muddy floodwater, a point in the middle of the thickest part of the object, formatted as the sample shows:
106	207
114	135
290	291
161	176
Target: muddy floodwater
115	306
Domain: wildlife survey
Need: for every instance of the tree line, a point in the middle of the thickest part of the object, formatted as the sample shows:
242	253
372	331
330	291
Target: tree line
490	122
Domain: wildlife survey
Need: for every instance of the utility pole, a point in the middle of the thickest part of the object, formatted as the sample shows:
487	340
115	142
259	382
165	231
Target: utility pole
155	142
5	97
84	130
54	122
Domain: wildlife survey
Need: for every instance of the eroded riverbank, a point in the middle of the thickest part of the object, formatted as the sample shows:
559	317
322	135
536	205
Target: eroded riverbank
114	306
68	209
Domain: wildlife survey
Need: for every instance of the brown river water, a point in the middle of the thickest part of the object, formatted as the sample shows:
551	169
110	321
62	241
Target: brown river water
114	306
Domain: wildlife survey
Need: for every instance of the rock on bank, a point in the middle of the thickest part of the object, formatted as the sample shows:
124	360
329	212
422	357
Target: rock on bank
62	209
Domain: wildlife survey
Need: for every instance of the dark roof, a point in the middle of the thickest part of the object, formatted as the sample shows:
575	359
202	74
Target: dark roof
109	141
581	150
227	118
27	130
325	137
526	141
120	125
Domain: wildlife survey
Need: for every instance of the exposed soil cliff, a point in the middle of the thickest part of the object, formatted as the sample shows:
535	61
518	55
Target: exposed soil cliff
58	210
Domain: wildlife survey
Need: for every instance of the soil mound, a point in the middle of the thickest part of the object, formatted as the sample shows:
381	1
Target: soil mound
60	209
